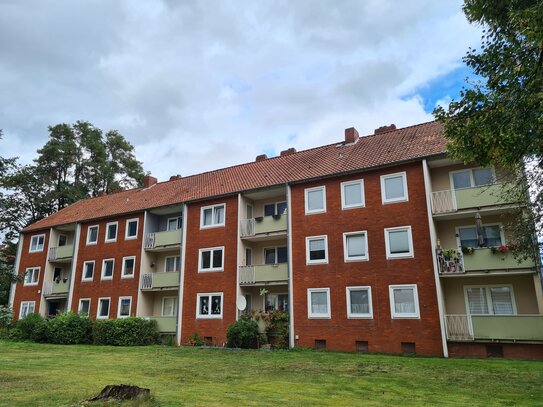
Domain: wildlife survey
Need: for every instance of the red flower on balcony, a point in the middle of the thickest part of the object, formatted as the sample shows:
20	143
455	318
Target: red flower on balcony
503	248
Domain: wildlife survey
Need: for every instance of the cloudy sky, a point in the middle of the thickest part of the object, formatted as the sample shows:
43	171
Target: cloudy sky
199	85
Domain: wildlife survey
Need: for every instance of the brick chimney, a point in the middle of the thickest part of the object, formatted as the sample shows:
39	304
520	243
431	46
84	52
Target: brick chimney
289	151
351	135
148	181
384	129
261	157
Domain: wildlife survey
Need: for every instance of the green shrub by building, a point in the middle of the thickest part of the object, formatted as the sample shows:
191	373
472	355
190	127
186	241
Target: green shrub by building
69	328
243	334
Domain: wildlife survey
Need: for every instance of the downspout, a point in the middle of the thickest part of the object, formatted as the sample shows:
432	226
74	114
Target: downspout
74	266
142	255
290	271
181	286
238	255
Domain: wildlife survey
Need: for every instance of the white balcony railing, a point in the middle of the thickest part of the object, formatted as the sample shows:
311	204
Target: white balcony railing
458	327
247	227
443	201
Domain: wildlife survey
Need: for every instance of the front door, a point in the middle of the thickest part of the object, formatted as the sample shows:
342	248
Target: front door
53	308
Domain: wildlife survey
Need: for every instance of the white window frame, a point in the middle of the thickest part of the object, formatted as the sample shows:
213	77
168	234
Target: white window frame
174	309
178	223
410	254
352	206
275	248
116	223
393	313
499	224
89	242
119	307
35	270
128	221
123	275
307	257
99	307
306	201
346	257
27	305
404	198
83	278
275	205
351	315
209	316
312	315
176	263
79	305
471	177
489	302
213	225
102	276
211	269
37	238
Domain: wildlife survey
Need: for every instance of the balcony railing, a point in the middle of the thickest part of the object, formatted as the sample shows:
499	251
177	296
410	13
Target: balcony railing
165	324
263	225
150	281
495	327
61	253
450	261
54	288
466	198
265	273
163	240
484	259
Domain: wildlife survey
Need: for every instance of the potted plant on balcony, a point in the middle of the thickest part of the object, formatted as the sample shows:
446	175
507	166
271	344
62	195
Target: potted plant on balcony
450	254
467	249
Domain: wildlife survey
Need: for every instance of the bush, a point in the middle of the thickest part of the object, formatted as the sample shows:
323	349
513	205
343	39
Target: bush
33	327
6	317
69	328
125	332
243	334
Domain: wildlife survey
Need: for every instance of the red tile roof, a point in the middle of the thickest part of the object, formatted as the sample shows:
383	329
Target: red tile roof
395	146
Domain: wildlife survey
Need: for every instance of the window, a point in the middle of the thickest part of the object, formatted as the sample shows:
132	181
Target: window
107	269
92	234
111	231
249	211
492	235
399	242
277	208
275	255
27	307
211	259
352	194
394	187
315	200
490	300
248	256
175	223
124	308
172	264
276	302
169	306
318	303
316	249
129	266
103	308
88	270
209	305
131	229
84	306
212	216
62	240
248	302
472	177
359	302
355	246
32	275
36	243
404	302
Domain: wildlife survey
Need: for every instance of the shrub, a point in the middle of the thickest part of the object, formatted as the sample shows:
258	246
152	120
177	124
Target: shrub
33	327
69	328
103	332
6	317
125	332
243	334
195	340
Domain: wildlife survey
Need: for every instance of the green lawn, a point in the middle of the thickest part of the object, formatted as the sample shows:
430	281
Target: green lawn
57	375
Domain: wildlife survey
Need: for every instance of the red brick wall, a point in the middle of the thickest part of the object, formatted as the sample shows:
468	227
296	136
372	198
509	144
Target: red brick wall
383	333
117	287
208	282
510	350
37	259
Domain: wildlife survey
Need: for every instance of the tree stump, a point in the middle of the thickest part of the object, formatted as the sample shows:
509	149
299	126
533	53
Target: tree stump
121	392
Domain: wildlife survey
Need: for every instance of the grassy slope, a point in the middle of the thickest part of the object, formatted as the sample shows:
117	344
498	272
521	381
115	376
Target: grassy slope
51	375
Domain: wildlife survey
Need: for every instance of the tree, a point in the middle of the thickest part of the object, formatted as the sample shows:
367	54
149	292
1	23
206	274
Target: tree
499	117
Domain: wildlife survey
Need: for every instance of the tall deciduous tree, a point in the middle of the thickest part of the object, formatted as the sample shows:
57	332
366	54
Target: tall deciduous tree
499	117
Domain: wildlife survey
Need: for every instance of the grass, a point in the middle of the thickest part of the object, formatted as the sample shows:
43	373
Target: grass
57	375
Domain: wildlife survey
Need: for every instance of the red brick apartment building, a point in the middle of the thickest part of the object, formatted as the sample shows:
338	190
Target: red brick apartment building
370	244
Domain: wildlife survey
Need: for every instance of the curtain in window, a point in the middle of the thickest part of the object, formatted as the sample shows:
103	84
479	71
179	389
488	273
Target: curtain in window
492	235
319	303
404	301
502	303
359	302
219	214
477	301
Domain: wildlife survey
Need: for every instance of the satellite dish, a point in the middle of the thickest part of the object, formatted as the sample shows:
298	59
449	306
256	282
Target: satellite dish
241	303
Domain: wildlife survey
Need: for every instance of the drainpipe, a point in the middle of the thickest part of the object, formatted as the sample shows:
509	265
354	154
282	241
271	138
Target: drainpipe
290	271
181	286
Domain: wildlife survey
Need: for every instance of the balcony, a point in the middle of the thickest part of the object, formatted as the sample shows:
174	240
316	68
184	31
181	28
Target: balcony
483	259
160	281
468	198
166	324
55	289
265	273
494	327
162	241
61	254
264	226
